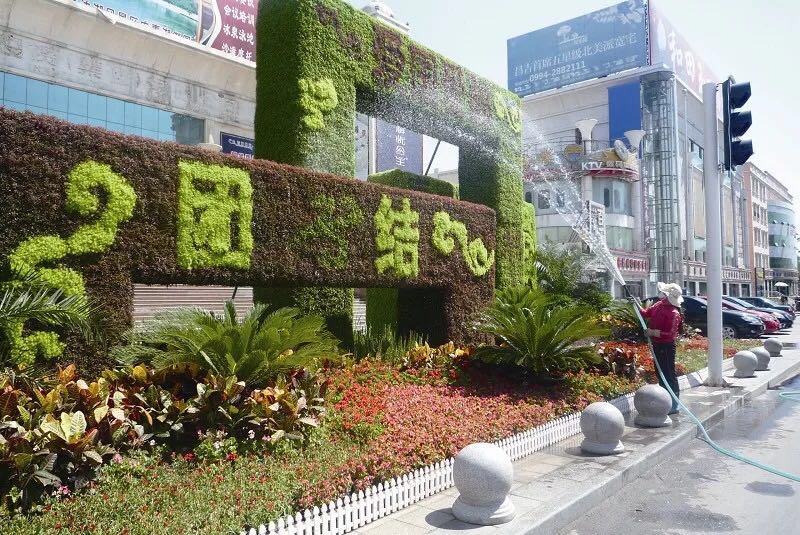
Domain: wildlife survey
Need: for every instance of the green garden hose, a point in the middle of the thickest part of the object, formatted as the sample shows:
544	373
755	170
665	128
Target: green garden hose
793	396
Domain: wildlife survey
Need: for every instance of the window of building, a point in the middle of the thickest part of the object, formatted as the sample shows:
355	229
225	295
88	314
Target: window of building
619	238
614	194
543	201
528	197
697	153
81	107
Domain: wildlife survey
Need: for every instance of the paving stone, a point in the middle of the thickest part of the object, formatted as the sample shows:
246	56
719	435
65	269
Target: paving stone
426	518
394	527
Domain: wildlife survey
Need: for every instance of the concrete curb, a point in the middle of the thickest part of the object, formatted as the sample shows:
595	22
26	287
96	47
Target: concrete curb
590	494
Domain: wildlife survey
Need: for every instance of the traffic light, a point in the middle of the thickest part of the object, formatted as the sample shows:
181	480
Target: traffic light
735	123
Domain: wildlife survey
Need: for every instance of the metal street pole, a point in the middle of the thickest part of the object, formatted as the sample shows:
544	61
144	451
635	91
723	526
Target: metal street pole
713	235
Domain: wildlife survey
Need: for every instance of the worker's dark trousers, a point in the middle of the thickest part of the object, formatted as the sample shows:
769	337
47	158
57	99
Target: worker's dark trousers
665	354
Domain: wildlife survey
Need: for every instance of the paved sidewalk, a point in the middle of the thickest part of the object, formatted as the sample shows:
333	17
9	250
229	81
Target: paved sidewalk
555	486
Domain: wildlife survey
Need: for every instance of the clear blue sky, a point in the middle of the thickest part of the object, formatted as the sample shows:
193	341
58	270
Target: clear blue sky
474	33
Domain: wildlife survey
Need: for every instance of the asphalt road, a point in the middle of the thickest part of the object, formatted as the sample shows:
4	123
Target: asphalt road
701	491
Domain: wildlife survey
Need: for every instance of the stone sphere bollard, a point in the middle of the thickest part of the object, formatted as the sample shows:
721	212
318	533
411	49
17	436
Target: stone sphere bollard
763	358
774	346
746	363
602	425
653	404
483	475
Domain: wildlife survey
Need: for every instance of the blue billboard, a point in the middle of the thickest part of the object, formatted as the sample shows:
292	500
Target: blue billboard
590	46
397	148
237	145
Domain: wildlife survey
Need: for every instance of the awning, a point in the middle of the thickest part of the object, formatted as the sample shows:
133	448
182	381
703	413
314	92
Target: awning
781	285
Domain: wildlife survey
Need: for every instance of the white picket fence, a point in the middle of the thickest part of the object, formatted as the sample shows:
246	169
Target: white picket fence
358	509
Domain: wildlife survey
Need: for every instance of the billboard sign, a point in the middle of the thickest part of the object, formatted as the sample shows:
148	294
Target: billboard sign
237	145
590	46
670	48
225	25
397	148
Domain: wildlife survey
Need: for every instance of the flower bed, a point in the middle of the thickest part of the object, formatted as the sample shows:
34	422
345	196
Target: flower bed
383	422
691	355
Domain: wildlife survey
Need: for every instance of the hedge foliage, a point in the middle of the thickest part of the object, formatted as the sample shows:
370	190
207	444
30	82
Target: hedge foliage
384	304
320	61
289	247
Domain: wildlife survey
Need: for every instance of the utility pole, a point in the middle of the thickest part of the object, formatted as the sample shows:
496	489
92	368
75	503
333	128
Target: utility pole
714	236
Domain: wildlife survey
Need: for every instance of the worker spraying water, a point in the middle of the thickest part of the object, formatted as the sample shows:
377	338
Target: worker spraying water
664	326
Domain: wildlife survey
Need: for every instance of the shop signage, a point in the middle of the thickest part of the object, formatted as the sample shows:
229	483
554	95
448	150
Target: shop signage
593	45
237	145
225	25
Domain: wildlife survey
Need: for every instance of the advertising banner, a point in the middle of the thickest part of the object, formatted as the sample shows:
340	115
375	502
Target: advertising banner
670	48
237	145
590	46
225	25
397	148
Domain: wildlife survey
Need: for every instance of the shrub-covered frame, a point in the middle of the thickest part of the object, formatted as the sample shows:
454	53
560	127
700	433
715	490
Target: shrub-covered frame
39	154
320	61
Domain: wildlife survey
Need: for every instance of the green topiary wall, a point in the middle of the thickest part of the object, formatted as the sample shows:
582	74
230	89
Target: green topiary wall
94	211
385	304
319	61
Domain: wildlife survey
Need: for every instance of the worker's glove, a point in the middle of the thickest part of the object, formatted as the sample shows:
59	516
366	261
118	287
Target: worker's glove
652	333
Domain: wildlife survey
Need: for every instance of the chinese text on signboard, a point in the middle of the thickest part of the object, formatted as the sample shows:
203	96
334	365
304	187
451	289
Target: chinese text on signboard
225	25
590	46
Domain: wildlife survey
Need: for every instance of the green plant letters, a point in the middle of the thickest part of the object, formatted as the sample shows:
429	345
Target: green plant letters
215	211
316	99
95	237
397	239
445	233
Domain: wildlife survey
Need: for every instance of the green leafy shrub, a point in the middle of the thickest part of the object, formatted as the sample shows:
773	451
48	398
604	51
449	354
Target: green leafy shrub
385	344
537	332
256	350
568	274
57	437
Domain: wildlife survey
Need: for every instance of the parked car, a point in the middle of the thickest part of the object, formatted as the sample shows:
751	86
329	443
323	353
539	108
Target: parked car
783	317
734	324
771	323
763	302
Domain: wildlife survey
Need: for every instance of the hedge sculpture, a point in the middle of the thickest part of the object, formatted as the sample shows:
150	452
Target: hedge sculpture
320	61
93	212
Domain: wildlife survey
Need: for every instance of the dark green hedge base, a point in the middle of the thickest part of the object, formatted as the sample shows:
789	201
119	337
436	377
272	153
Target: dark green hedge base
37	154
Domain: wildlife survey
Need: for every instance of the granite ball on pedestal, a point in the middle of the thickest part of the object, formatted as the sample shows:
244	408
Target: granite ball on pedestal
774	346
483	475
653	404
763	358
602	425
746	363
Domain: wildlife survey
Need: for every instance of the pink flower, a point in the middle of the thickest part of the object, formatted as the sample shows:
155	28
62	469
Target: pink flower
117	458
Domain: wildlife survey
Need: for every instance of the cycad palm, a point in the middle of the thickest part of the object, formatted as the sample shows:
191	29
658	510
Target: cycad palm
537	332
256	349
25	297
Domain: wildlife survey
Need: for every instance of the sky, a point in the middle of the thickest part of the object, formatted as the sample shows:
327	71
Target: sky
751	40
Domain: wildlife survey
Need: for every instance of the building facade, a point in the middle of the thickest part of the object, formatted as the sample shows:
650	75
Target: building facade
653	84
774	233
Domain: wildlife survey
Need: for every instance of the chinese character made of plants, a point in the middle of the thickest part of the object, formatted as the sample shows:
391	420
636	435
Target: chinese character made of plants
397	239
215	210
446	231
81	198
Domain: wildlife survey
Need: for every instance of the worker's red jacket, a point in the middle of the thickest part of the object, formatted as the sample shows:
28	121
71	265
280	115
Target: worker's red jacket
666	318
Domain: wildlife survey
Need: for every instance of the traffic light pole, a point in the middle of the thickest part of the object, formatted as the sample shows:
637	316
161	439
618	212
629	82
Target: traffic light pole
713	236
